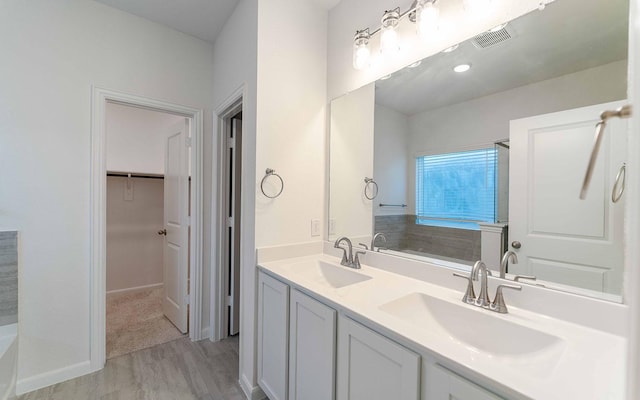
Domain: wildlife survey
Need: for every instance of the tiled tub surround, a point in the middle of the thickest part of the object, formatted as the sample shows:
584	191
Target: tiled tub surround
403	234
8	278
588	364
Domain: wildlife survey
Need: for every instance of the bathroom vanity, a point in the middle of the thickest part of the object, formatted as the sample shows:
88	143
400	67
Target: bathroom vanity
327	331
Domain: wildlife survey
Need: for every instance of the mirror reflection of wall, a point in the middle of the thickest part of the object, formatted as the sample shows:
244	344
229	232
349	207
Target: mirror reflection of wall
541	63
351	153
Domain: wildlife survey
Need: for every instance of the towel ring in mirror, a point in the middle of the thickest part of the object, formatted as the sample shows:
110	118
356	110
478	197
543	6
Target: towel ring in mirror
370	183
271	172
616	193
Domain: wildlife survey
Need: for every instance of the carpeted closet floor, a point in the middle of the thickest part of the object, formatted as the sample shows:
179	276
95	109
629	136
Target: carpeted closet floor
135	321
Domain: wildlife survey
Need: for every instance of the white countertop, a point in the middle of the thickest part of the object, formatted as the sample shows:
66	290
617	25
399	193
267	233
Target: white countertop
584	364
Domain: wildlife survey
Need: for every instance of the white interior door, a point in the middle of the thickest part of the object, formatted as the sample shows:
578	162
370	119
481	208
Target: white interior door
176	222
564	239
234	174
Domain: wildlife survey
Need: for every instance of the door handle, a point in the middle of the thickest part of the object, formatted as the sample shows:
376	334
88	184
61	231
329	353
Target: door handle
622	112
516	245
162	232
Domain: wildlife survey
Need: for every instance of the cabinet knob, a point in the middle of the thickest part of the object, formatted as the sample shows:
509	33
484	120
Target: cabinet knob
516	245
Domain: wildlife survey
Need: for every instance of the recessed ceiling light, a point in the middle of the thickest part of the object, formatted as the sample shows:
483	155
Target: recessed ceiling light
450	49
415	64
497	28
385	77
462	68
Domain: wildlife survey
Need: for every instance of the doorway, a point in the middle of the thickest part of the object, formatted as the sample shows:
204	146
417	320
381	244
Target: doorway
229	229
190	247
146	268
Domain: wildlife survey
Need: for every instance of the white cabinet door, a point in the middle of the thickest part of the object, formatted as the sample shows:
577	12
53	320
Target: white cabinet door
312	349
443	384
273	338
176	225
372	367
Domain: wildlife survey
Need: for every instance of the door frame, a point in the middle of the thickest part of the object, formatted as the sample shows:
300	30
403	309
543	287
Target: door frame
98	211
222	117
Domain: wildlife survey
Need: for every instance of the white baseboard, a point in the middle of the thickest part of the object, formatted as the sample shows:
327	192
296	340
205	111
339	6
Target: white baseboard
204	333
52	377
251	392
134	289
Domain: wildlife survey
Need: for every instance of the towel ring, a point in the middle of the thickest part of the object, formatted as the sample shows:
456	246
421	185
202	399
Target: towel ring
616	193
369	182
271	172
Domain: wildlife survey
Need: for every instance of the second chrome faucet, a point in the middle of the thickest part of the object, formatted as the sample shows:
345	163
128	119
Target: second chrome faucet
348	259
481	272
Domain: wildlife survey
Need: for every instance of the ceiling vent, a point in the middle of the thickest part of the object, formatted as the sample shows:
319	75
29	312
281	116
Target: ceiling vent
489	39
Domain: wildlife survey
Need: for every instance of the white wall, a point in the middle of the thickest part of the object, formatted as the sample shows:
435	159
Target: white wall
136	139
53	52
351	160
234	67
134	248
391	160
291	119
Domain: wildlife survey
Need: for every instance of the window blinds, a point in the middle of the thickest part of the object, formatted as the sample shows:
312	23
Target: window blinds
457	186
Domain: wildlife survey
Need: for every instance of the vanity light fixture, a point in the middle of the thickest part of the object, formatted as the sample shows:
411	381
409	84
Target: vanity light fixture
389	44
426	17
361	52
462	67
424	13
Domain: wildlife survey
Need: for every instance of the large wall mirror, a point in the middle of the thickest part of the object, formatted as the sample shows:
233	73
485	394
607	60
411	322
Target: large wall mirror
452	167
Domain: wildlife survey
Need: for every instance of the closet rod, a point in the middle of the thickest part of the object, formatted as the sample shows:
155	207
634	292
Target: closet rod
135	175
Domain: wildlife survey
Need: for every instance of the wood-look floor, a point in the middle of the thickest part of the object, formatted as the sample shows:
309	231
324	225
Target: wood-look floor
177	370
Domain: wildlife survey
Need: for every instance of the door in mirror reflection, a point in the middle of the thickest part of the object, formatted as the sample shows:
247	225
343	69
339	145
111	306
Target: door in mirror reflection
564	239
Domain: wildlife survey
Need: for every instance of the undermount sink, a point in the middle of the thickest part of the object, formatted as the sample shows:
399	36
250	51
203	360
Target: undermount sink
324	273
471	326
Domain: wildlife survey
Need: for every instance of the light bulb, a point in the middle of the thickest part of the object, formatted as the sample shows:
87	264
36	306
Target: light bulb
427	15
389	41
389	44
361	57
361	52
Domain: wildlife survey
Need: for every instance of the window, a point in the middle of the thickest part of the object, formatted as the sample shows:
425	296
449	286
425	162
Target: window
456	188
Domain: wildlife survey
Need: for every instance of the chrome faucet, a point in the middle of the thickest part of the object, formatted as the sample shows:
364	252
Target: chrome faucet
498	305
348	260
509	255
373	241
483	297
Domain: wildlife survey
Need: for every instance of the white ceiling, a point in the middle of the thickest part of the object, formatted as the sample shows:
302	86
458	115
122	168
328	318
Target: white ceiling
568	36
203	19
